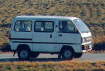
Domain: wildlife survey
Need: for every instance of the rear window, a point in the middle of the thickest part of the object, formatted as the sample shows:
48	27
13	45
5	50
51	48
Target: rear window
23	26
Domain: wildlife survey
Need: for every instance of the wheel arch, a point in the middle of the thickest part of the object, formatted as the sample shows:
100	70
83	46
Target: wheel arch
67	47
23	46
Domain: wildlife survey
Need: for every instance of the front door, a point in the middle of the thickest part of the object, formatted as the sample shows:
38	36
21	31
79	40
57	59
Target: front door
68	34
43	36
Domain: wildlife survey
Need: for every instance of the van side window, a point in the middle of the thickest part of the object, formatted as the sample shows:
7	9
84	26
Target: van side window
39	26
49	26
44	26
66	27
23	26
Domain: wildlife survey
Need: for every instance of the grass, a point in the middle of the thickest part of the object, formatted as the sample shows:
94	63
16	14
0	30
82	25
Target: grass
92	11
52	66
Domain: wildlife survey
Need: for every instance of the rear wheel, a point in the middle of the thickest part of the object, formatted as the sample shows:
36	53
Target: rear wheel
67	53
34	54
24	54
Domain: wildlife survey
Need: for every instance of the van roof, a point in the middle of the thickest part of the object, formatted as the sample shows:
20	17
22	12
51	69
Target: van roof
55	17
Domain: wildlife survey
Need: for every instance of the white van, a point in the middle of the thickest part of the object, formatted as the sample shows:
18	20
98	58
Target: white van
66	36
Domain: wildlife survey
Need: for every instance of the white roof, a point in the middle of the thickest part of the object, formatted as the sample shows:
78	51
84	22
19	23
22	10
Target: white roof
55	17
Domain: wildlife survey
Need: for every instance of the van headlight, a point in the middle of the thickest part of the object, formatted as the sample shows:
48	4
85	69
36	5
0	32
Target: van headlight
87	39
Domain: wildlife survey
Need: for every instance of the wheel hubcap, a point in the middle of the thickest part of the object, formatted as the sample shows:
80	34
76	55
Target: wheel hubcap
23	54
67	54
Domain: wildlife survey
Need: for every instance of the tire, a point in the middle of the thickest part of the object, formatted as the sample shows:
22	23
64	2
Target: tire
78	55
67	54
24	54
34	54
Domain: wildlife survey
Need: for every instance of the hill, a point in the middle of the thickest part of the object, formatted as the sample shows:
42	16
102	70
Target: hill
91	11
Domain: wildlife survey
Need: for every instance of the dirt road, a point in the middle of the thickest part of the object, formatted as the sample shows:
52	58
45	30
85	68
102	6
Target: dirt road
5	57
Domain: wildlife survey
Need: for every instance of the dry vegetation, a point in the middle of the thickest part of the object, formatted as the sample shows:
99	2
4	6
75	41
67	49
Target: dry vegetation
52	66
92	11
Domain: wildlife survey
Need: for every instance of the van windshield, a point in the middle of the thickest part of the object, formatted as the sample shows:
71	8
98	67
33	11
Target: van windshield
81	26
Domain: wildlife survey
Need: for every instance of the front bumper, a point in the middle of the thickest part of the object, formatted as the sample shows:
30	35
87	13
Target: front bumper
87	48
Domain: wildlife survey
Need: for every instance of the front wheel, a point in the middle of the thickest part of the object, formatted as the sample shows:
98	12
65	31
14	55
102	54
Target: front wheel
78	55
24	54
67	54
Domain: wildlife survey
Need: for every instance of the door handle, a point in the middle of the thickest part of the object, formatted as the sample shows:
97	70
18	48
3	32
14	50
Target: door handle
50	35
59	34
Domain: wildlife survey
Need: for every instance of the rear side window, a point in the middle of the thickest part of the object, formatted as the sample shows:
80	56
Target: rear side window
44	26
23	26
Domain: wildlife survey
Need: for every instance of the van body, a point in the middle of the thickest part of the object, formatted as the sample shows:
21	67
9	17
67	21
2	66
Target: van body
66	36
